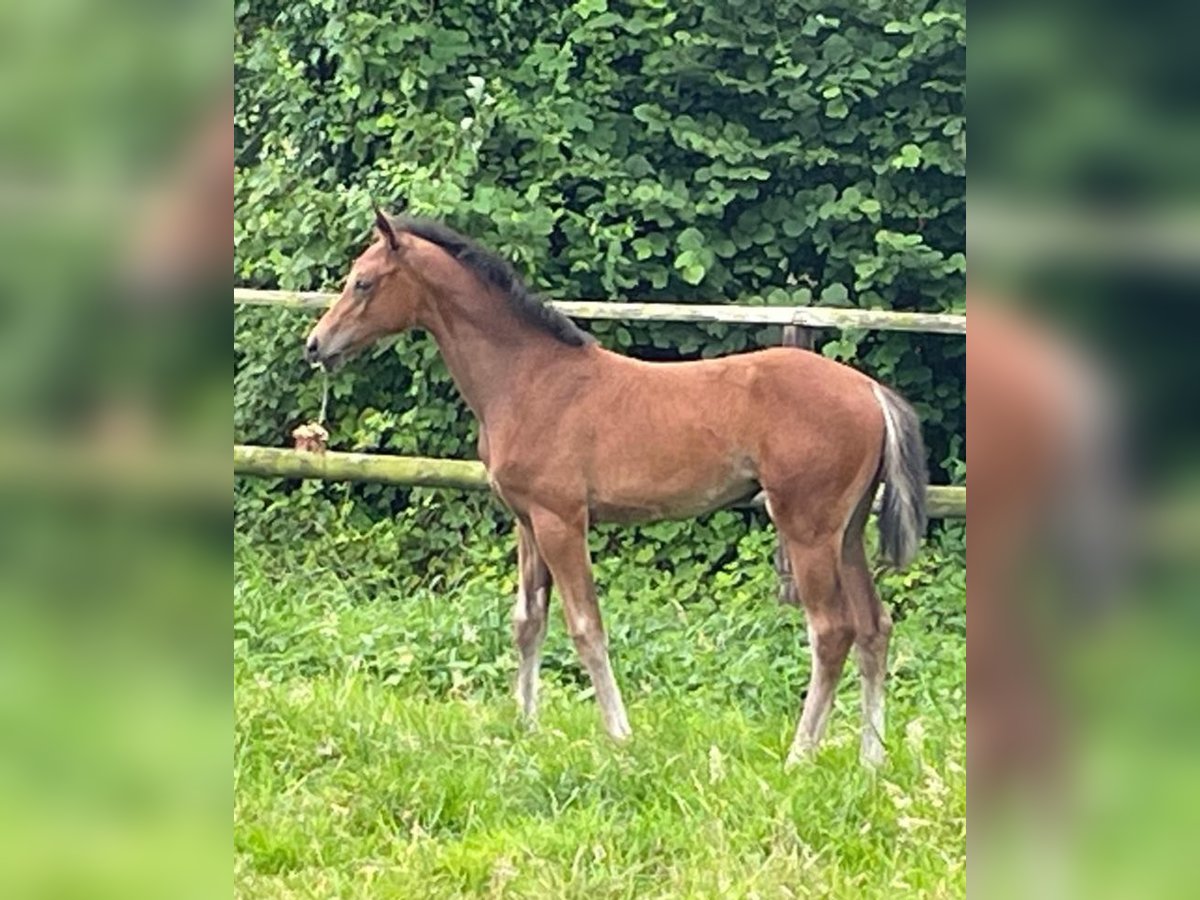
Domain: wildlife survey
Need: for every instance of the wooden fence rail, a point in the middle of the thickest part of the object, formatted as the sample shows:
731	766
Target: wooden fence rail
801	316
419	471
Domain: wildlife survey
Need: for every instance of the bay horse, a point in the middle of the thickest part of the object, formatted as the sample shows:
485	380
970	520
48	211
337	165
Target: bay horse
572	434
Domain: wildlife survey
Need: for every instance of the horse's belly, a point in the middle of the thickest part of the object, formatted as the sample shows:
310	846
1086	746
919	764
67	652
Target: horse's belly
659	504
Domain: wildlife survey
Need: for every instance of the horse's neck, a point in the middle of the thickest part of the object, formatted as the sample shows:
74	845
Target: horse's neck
487	349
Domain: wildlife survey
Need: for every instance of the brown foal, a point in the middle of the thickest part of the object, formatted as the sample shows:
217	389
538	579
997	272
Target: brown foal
572	434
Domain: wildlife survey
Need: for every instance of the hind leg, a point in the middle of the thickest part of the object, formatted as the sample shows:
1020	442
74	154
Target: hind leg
873	628
830	635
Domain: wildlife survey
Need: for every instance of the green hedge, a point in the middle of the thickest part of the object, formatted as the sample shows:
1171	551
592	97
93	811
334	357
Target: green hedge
778	153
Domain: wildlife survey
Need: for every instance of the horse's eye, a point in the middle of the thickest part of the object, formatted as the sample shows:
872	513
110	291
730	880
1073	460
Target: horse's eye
362	285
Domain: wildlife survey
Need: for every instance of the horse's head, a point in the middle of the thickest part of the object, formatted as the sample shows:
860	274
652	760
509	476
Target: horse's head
380	299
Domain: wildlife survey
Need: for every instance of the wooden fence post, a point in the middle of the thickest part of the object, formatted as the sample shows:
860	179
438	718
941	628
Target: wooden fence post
796	336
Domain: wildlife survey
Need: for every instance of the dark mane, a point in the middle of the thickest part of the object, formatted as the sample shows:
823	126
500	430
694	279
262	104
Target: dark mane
491	269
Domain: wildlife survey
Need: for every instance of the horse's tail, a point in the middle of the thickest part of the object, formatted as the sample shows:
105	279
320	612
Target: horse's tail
902	516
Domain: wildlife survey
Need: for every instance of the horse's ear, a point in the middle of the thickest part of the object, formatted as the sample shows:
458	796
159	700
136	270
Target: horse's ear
384	226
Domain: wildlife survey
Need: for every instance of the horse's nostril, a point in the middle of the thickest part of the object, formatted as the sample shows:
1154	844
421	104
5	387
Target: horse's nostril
310	347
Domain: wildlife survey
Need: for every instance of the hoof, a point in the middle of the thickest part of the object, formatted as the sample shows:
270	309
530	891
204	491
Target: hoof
872	759
798	756
619	731
527	715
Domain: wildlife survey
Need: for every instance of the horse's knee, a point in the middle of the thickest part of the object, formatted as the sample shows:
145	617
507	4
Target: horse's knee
875	638
588	635
589	639
872	648
832	641
527	635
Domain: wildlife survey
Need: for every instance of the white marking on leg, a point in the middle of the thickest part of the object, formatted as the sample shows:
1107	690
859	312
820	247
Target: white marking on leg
530	646
873	724
527	685
521	607
608	695
872	664
612	708
817	706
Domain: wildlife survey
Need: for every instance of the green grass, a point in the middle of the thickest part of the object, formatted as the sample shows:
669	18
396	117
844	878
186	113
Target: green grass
378	753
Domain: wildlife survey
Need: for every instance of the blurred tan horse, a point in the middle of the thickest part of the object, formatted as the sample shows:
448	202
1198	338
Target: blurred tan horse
573	434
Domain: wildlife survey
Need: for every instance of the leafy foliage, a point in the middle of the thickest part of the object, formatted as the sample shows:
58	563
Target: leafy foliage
771	153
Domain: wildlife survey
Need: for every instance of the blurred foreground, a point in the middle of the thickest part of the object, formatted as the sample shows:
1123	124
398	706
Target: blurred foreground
115	207
1084	227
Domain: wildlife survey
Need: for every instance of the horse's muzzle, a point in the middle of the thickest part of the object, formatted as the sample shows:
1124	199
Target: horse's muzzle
312	349
317	353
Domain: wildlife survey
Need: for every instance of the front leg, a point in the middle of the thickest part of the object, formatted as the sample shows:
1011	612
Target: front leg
562	541
529	618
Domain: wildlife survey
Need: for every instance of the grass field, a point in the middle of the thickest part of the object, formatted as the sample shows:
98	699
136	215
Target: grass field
378	753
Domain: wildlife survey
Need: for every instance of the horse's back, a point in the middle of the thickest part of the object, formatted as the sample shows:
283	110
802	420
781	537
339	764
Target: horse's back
760	383
672	439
